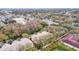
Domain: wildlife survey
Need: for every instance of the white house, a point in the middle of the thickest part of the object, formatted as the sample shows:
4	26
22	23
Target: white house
20	20
42	38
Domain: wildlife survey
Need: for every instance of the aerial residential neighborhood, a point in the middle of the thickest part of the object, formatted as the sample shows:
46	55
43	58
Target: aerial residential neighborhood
39	29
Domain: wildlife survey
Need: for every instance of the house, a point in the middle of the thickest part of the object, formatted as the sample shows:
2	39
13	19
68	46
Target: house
20	20
48	21
42	38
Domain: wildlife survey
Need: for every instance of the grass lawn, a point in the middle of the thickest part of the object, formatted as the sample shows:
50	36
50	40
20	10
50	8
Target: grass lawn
63	47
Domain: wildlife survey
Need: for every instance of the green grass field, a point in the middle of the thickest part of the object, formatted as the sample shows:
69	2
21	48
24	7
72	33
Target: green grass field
62	47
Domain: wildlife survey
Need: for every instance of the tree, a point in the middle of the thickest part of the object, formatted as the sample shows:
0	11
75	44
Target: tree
25	35
3	37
